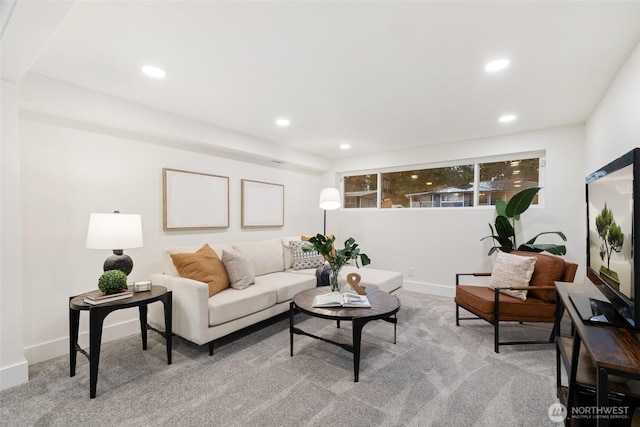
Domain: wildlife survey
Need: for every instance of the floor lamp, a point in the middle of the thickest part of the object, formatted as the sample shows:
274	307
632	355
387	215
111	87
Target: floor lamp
329	200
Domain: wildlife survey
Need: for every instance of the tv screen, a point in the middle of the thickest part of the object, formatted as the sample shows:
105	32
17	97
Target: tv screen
611	213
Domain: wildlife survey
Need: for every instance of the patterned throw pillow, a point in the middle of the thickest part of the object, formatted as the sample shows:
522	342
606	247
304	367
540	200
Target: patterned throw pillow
303	260
512	270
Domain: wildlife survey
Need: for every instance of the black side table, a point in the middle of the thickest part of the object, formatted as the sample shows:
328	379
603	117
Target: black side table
97	314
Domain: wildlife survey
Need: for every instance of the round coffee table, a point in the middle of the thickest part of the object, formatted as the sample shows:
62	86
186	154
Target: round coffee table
384	306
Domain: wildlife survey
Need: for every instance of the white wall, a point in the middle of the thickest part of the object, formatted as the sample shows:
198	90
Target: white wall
614	126
438	243
13	366
67	173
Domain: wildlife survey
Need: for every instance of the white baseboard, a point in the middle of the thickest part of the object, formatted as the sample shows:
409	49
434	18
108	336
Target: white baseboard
11	376
429	288
60	347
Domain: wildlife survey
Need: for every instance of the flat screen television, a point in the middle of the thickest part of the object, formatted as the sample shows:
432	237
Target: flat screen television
613	218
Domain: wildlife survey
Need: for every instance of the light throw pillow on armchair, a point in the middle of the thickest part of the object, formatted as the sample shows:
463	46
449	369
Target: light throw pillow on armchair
239	269
512	270
203	266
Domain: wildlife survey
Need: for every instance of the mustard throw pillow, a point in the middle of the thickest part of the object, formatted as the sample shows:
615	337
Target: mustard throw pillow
203	266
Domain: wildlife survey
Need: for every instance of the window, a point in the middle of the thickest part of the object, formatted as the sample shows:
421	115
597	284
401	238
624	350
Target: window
501	180
429	188
449	186
361	191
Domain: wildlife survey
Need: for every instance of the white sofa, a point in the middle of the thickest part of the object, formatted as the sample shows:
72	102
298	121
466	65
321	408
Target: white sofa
202	319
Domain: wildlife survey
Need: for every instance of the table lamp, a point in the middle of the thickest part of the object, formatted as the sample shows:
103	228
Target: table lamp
115	230
329	200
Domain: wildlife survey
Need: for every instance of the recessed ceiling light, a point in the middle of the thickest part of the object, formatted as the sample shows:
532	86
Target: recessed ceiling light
283	122
155	72
414	176
345	146
507	118
497	65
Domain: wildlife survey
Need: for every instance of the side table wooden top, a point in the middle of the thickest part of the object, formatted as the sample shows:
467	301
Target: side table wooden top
77	302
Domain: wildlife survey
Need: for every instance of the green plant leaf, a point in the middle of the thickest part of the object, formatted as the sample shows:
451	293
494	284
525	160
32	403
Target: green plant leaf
559	233
504	227
501	205
544	247
520	202
365	260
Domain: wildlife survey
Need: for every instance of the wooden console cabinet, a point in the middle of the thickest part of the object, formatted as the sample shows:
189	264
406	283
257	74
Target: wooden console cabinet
589	357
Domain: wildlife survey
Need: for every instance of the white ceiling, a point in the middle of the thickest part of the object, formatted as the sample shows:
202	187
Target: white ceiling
379	75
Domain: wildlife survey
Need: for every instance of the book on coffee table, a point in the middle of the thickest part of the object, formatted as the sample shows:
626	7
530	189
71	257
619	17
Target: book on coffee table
337	299
99	297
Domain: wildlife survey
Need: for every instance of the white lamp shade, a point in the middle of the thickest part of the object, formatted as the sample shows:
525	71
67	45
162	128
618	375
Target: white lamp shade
329	199
114	231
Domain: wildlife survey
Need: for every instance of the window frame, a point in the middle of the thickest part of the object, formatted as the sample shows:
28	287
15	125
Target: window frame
539	154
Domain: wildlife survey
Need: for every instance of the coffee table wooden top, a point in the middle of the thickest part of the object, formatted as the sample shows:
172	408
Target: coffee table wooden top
383	305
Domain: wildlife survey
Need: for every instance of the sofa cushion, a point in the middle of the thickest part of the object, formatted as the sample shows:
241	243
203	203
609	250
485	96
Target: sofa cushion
304	259
265	256
286	250
512	270
232	304
203	266
549	269
383	280
285	284
239	269
167	262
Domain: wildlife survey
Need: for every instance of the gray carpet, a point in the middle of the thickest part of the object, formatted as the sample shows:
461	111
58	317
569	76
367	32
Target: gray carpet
436	375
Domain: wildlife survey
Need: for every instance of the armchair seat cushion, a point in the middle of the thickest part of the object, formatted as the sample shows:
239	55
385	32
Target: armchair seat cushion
480	300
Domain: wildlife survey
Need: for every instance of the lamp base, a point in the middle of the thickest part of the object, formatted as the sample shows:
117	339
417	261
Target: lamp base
119	261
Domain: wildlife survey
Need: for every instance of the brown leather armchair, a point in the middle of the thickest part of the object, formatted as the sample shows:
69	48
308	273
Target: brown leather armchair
495	307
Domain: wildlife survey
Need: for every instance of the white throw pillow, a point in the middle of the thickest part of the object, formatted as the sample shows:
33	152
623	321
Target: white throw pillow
239	269
512	270
303	260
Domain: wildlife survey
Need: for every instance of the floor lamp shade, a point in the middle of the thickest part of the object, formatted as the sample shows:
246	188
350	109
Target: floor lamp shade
329	200
115	231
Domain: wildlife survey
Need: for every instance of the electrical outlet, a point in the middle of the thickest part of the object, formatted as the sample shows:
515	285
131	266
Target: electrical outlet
412	271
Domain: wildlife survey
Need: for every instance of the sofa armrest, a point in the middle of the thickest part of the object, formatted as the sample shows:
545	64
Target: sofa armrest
190	306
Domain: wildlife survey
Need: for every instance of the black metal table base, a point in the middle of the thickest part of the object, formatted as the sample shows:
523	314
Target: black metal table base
97	314
358	325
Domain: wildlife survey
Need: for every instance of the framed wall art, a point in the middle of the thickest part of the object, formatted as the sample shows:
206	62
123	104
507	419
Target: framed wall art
262	204
194	201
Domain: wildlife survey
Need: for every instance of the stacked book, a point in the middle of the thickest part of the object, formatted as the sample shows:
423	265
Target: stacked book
99	297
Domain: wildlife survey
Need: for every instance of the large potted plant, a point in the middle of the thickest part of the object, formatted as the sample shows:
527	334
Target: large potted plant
504	235
337	258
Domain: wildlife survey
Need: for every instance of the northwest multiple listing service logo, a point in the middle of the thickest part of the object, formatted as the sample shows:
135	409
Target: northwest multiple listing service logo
558	412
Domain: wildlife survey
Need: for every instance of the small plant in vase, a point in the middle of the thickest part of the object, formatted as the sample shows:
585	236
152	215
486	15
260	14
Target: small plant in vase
337	258
112	282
